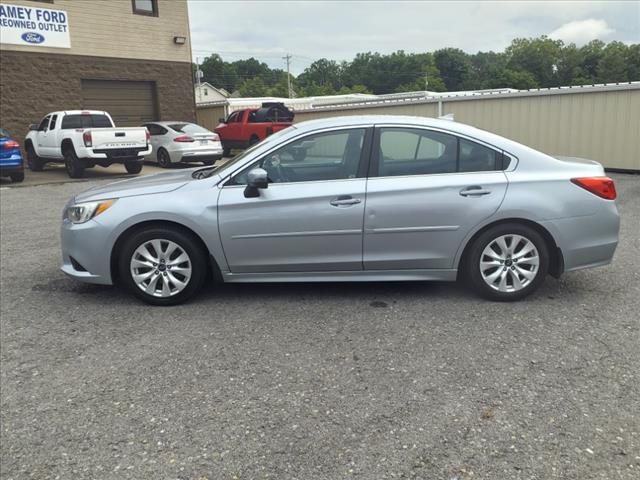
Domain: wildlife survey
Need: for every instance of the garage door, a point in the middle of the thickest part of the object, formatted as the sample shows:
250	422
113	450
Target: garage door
129	103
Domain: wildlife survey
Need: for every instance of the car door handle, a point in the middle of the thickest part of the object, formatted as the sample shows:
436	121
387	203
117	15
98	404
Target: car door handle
474	191
343	200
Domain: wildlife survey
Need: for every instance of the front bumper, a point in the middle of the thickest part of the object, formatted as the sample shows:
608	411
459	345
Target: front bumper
86	252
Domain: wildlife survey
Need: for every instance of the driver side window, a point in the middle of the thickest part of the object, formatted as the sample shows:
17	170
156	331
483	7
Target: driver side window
318	157
44	124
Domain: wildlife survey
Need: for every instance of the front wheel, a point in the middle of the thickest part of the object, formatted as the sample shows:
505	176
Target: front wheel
133	167
73	165
507	262
162	266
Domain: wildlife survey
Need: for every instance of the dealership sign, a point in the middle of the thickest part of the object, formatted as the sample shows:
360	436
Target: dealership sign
27	25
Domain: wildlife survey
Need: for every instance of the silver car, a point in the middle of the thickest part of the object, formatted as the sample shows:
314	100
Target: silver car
177	142
350	199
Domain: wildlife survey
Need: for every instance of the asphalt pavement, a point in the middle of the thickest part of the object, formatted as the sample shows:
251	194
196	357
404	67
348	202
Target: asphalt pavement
314	381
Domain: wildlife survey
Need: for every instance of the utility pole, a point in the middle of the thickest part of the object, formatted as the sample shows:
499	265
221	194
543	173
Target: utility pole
198	76
287	57
426	83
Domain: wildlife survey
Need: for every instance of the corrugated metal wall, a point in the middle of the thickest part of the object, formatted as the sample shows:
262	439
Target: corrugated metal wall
603	125
209	116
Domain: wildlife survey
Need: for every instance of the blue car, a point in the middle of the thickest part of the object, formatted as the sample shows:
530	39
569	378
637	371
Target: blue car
11	163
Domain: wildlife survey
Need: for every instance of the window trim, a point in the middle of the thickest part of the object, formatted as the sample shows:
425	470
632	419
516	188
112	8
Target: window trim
361	173
137	11
375	151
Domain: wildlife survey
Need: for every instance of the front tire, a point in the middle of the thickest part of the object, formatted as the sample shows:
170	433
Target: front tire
507	262
226	151
35	163
73	165
133	167
162	266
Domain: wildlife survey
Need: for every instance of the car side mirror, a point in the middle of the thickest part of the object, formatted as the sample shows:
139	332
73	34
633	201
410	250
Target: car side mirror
256	179
33	126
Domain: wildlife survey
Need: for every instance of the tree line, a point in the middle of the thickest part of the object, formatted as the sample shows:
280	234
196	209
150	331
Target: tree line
526	63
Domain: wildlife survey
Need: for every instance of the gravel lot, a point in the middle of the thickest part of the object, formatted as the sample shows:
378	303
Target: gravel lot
314	381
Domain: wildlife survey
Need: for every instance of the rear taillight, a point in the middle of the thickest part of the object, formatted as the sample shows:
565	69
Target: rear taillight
88	141
11	144
147	134
600	186
183	139
215	137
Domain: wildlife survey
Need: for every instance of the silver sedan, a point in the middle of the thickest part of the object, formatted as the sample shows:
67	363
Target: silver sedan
350	199
177	142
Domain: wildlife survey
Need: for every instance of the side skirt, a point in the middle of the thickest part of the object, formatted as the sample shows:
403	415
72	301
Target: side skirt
356	276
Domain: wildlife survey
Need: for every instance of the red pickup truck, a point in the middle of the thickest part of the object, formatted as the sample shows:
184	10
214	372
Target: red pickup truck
244	128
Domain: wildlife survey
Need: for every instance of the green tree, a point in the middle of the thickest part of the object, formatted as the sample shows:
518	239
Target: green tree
253	87
612	66
633	62
455	68
538	56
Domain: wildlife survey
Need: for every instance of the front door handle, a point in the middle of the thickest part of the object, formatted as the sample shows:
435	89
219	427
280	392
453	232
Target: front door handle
344	200
473	191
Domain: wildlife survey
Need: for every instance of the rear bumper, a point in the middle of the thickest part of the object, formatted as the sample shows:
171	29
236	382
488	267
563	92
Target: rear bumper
6	170
587	241
115	155
12	164
196	153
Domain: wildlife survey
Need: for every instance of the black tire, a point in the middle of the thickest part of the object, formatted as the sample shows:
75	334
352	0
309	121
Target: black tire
133	166
164	160
226	151
208	163
17	177
35	163
186	241
472	270
73	165
253	140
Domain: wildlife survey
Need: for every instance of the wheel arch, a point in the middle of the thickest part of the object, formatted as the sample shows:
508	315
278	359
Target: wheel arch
556	259
213	269
66	144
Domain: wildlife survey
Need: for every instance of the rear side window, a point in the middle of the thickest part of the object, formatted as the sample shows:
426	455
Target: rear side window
188	128
86	121
412	151
54	119
474	157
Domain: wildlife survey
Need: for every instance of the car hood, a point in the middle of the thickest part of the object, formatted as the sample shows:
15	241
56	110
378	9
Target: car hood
145	185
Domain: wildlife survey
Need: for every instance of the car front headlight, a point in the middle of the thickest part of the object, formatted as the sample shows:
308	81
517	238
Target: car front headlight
83	212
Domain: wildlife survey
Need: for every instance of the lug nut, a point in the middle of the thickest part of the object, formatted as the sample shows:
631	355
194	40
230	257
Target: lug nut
156	272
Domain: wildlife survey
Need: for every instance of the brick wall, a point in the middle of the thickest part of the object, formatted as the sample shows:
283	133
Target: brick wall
34	84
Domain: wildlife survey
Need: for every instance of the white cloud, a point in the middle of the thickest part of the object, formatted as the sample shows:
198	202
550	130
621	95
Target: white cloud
582	31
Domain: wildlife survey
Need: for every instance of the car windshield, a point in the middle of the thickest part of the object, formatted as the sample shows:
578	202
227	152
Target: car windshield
207	172
188	128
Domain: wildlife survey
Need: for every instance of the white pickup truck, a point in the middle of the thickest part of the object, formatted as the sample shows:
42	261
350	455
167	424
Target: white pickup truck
83	139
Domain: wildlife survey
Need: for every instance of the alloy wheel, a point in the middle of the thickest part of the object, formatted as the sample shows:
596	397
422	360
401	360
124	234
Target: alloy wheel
509	263
160	268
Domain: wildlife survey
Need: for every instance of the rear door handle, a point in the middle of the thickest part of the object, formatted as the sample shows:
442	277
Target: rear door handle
344	200
474	191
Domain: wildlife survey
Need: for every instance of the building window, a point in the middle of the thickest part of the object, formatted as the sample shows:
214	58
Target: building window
206	92
145	7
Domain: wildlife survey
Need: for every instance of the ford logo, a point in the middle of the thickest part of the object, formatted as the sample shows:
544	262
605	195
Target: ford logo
32	37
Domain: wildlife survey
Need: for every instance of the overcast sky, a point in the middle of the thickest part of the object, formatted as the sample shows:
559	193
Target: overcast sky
338	30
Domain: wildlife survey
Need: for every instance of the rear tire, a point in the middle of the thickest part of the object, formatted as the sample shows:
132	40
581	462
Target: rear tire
192	270
35	163
253	140
164	160
17	177
73	165
208	163
133	167
226	151
507	262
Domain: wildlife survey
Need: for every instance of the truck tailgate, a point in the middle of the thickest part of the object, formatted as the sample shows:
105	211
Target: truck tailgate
118	138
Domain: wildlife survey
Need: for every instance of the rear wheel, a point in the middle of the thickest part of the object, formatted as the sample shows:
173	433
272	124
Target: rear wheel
73	165
162	266
35	163
226	151
253	140
164	160
507	262
208	162
17	177
133	166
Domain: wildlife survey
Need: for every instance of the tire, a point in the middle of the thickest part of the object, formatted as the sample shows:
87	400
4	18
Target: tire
35	163
226	151
73	165
165	292
522	276
164	160
133	166
208	163
253	140
17	177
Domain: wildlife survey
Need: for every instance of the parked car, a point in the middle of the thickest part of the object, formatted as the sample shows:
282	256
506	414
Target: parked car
11	163
350	199
84	139
175	142
244	128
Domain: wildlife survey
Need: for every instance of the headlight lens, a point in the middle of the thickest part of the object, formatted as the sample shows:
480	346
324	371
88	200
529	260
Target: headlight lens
83	212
